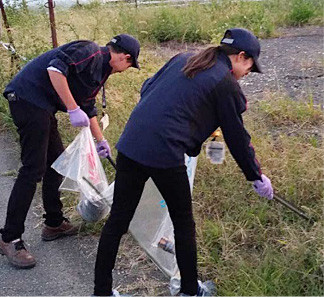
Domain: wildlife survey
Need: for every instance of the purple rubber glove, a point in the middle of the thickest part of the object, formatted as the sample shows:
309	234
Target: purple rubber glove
103	148
264	187
78	118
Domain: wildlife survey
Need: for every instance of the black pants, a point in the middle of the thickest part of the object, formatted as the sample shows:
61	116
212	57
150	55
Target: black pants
40	146
173	184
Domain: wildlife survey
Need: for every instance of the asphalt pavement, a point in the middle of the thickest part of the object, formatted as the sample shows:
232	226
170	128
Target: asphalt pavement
64	266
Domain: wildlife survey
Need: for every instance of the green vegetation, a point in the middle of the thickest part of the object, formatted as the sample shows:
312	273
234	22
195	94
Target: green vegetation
248	245
302	11
192	23
284	112
256	247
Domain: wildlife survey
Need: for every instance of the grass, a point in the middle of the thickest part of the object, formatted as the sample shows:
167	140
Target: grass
5	75
283	113
191	23
248	245
301	12
251	246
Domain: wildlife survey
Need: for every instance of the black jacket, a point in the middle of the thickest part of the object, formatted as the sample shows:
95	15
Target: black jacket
176	115
83	63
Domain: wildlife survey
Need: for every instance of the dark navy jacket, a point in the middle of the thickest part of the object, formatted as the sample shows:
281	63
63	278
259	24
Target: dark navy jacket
83	63
177	114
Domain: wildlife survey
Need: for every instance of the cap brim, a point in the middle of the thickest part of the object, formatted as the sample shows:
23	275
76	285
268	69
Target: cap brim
256	66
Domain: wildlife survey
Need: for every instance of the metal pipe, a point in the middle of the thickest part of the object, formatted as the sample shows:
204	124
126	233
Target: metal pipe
6	24
112	162
52	22
92	186
294	208
14	57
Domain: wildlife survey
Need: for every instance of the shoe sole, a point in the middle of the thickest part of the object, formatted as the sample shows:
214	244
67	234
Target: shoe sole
59	235
27	266
15	264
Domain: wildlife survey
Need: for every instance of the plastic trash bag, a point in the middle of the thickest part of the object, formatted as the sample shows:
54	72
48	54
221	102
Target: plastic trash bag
82	170
215	151
91	212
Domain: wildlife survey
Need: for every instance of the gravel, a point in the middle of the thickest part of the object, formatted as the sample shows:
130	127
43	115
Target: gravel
292	64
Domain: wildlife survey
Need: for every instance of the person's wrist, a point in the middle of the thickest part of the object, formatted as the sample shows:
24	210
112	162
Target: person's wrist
73	110
101	140
257	182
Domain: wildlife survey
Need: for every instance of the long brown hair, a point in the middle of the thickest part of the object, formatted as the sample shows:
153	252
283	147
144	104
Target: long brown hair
206	59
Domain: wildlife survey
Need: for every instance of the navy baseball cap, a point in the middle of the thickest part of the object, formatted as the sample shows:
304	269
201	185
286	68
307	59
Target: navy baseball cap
244	40
129	44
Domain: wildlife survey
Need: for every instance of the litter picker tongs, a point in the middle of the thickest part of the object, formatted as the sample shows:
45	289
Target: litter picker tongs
294	208
281	200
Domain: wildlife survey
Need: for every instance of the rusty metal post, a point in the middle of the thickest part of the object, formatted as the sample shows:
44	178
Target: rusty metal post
5	22
14	57
52	22
0	27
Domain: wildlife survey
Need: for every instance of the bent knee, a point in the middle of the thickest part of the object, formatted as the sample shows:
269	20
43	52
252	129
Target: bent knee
31	173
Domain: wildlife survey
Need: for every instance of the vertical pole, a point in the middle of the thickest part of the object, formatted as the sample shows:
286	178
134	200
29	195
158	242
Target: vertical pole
0	26
14	56
24	5
5	22
52	22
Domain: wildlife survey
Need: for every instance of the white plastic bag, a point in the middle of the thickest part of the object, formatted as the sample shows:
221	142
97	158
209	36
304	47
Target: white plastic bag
83	172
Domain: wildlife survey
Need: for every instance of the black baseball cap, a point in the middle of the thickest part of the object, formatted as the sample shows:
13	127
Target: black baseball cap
129	44
244	40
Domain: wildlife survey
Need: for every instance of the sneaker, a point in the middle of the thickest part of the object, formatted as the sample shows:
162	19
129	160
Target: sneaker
65	229
17	254
207	288
204	289
115	293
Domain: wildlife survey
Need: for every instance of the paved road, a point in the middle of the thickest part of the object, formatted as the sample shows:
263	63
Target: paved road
64	267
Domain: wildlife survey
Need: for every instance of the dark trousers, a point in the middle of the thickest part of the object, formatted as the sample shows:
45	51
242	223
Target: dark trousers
40	146
173	184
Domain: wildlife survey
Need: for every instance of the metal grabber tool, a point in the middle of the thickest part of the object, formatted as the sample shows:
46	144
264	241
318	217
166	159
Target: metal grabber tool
294	208
111	161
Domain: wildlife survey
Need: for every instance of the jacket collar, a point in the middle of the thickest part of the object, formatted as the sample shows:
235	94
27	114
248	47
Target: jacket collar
224	58
106	68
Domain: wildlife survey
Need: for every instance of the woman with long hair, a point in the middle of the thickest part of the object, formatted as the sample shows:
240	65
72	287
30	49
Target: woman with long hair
181	105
